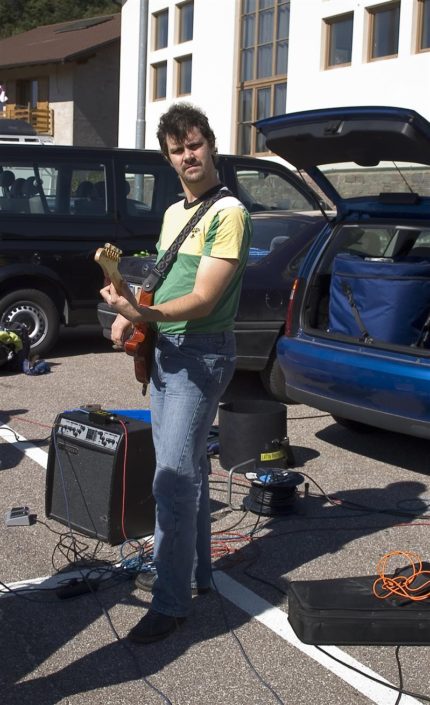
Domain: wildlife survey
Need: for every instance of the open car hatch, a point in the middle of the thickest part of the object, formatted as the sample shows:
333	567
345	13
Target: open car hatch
320	141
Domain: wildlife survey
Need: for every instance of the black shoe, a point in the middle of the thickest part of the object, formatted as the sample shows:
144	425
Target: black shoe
154	626
146	580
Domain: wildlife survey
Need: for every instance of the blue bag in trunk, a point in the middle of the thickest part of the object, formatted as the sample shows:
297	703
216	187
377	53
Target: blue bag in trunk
376	299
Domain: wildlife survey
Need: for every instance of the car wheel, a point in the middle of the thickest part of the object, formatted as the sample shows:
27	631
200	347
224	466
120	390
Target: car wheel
273	380
353	425
37	311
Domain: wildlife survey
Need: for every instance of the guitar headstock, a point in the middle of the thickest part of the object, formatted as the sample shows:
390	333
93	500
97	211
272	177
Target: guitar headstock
108	258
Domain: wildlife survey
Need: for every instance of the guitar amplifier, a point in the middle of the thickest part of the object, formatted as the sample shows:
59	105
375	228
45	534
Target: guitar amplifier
99	475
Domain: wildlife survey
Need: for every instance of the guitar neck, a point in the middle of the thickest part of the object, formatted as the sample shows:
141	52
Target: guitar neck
115	277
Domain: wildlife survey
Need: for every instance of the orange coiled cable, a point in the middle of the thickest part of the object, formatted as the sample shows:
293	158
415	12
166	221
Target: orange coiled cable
399	584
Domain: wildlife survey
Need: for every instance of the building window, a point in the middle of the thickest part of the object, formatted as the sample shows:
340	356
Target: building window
27	92
264	34
424	25
159	78
254	104
384	30
186	22
339	40
161	29
184	75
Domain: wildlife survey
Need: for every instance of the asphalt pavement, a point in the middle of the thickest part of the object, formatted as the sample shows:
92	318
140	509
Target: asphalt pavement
364	495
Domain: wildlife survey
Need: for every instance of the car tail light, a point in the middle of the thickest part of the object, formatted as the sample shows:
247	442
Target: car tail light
289	327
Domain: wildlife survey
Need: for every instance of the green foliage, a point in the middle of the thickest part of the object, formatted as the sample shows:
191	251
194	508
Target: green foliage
21	15
142	253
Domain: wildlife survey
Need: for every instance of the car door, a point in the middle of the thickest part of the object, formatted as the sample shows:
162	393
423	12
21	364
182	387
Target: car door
146	185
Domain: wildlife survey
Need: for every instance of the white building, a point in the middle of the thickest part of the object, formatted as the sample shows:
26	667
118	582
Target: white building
241	60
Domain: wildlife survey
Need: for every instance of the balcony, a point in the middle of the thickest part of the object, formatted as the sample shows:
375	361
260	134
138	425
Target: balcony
41	118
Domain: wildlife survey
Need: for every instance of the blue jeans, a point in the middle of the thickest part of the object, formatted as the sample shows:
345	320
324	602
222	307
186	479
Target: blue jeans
190	373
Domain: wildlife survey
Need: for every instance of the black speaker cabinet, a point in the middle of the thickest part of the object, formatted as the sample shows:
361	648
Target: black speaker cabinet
99	475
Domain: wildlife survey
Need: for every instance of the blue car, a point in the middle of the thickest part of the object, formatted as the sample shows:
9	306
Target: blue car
357	332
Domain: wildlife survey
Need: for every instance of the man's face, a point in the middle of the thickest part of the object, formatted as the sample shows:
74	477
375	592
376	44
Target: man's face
192	158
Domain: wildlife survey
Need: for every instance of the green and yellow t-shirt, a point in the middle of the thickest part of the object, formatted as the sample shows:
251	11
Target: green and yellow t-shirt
225	232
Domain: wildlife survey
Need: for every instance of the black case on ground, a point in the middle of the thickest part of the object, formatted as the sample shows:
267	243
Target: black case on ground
345	611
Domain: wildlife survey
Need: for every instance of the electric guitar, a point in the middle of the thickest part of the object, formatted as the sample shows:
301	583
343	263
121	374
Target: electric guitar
141	342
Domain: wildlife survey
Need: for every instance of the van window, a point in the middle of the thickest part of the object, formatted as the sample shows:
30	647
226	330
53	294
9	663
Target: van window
139	188
150	189
88	190
51	189
263	189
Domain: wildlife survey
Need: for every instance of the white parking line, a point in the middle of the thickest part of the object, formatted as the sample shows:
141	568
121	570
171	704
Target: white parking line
21	443
49	582
272	617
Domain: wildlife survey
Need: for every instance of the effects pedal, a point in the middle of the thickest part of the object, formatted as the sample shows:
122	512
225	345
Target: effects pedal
19	516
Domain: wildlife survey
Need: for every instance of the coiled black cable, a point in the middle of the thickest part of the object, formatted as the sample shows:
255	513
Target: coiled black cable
273	492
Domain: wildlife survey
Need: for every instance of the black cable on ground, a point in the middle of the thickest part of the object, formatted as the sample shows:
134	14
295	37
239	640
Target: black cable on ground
244	654
376	680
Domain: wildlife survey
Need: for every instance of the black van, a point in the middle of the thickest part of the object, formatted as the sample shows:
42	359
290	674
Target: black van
59	204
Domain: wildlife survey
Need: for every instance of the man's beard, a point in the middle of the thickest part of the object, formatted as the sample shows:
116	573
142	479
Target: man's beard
193	177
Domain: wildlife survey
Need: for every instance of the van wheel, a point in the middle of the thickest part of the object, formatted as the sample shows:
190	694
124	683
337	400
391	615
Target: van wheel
37	311
273	380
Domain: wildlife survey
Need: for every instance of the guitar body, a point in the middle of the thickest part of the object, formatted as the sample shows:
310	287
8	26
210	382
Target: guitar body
141	343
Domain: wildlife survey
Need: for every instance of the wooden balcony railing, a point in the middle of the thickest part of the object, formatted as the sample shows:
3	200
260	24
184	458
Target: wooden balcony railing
42	119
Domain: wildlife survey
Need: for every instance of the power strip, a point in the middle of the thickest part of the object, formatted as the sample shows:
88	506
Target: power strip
77	587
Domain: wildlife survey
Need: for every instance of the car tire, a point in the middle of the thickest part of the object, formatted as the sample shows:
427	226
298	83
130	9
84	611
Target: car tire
273	380
38	312
352	425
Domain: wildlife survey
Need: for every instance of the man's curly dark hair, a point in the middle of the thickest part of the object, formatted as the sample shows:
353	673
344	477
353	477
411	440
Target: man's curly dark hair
177	123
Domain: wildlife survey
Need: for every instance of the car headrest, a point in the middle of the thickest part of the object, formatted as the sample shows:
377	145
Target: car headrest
17	190
100	189
31	187
85	190
6	179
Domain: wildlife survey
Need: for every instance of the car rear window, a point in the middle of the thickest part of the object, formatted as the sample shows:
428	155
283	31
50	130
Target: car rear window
263	190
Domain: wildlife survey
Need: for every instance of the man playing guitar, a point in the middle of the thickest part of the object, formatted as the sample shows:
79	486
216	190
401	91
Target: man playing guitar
192	314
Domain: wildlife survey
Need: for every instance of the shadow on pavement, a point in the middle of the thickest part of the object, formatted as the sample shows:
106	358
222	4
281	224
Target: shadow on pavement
35	629
391	448
80	341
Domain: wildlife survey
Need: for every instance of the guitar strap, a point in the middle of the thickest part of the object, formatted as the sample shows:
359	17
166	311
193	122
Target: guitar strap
154	274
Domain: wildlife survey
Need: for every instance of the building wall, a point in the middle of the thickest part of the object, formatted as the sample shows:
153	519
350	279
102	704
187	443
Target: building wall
61	101
213	72
398	81
96	97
